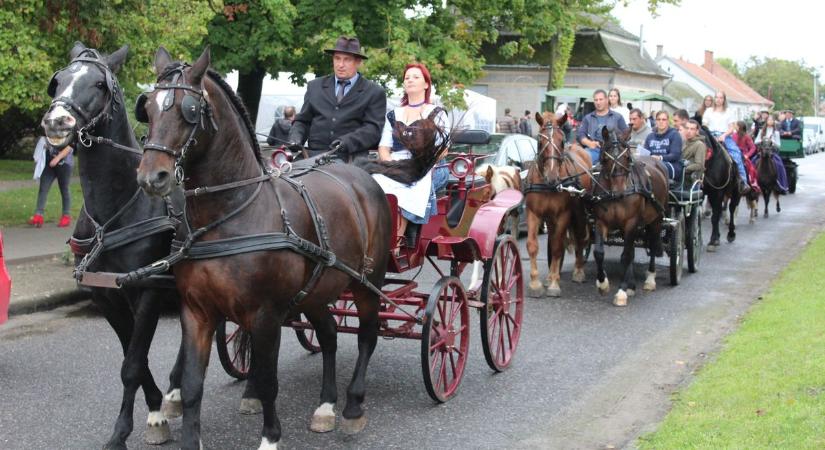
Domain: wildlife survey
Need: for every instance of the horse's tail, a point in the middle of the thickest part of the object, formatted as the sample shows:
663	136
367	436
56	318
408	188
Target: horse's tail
244	347
427	141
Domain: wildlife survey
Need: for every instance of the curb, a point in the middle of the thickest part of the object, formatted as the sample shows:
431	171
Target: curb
48	301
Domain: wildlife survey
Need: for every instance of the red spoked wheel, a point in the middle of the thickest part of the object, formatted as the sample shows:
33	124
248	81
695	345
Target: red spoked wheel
445	338
234	354
306	337
503	310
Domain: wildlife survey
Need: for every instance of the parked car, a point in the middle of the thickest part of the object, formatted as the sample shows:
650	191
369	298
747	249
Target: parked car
813	134
5	285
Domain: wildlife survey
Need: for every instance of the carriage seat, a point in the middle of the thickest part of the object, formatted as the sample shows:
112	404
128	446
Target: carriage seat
682	191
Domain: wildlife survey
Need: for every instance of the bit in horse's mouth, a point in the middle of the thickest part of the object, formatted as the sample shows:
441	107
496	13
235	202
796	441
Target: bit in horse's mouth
59	137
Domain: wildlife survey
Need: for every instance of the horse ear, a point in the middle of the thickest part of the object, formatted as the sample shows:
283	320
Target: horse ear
77	48
162	59
605	134
115	60
539	119
200	66
625	135
489	175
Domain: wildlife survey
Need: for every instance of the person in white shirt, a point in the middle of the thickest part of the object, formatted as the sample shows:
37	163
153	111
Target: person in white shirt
718	120
614	100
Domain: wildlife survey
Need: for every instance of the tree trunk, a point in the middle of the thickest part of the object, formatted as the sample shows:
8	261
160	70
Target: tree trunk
249	89
554	50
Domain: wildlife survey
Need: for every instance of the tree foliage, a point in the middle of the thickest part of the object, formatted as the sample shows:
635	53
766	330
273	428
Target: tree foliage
730	66
790	84
36	36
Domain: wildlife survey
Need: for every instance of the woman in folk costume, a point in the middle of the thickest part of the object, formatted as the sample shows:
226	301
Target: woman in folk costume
721	123
413	140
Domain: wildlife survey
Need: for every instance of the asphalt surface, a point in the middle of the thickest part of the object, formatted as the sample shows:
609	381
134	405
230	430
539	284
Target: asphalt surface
586	375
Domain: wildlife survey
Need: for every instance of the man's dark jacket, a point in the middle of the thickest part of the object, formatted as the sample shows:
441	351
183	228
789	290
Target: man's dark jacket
357	121
794	127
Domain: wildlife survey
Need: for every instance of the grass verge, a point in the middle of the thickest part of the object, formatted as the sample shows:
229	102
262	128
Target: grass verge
766	389
14	169
17	205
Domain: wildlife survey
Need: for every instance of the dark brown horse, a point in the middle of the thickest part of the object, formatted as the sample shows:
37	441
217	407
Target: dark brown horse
546	201
721	183
199	132
630	195
766	174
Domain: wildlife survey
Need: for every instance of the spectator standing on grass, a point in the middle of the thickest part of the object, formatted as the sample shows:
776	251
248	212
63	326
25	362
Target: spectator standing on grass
53	164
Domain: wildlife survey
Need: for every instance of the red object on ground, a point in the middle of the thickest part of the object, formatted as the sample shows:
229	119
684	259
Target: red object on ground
65	221
5	286
36	220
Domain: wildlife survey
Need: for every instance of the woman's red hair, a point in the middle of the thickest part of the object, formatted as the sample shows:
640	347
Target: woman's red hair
426	73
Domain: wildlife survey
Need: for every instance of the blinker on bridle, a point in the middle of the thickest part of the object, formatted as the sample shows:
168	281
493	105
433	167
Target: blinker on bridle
193	108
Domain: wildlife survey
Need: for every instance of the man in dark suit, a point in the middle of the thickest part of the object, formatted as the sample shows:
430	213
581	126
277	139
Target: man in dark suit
790	128
343	111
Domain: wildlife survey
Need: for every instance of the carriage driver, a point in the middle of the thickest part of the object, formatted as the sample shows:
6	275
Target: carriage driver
343	111
589	134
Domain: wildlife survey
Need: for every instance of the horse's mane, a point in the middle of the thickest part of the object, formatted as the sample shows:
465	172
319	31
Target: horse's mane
236	101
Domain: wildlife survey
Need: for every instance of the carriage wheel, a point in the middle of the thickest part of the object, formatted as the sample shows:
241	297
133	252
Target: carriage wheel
693	233
677	250
503	297
306	337
234	355
445	339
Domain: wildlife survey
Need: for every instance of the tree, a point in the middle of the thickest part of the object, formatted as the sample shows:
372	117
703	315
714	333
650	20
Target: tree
730	66
445	35
790	84
37	34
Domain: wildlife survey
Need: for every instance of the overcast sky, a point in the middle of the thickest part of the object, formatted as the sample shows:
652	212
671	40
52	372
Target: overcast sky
736	29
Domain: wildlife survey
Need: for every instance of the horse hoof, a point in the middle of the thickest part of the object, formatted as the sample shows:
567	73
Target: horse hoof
620	299
603	287
353	426
535	292
323	420
250	406
706	213
578	276
171	408
554	292
731	238
114	446
157	434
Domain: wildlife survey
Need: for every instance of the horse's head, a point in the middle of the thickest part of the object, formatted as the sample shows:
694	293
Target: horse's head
616	156
83	94
550	158
766	148
177	114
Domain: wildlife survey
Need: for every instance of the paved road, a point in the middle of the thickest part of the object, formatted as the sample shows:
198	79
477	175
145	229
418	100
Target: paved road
587	374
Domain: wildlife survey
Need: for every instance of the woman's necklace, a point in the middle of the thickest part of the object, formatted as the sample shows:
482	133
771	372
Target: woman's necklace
416	105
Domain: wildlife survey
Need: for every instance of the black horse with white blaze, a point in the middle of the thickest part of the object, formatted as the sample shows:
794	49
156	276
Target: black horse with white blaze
120	228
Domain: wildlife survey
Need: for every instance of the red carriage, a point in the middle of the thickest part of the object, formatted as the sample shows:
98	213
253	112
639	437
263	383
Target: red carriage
469	228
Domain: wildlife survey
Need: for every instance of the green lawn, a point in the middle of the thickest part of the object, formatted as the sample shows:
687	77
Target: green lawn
766	389
12	169
17	205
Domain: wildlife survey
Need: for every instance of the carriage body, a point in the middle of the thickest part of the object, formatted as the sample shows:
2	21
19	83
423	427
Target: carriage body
468	229
790	149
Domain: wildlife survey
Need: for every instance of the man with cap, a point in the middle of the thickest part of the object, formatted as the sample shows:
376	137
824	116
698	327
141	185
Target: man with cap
343	111
790	127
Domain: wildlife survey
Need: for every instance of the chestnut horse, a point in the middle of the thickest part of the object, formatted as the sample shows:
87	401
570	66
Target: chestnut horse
629	195
200	134
556	168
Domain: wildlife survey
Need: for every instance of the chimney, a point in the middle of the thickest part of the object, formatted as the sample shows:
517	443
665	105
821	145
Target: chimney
708	65
659	51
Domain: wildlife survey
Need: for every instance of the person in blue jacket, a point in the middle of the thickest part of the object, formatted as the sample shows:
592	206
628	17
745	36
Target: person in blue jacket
665	144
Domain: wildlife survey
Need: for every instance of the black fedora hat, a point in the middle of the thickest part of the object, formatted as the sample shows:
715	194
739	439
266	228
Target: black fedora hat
347	45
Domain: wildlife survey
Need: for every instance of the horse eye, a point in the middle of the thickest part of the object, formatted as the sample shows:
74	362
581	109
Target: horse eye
100	84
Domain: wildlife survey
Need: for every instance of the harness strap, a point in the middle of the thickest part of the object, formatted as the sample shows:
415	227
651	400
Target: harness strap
225	187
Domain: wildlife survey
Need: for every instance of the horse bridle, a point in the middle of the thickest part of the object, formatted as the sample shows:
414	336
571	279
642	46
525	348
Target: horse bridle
193	111
616	159
557	155
112	92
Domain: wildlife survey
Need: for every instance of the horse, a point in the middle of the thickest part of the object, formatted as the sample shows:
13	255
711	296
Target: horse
629	194
200	134
766	174
87	99
556	167
721	182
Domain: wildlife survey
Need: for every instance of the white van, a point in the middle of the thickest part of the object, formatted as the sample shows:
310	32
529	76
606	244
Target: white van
813	134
